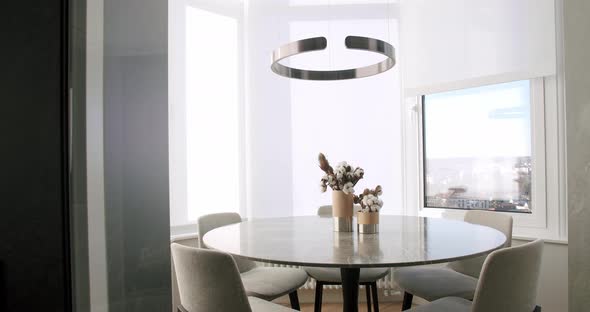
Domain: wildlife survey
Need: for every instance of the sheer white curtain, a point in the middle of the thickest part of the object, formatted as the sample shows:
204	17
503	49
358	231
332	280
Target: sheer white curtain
291	121
205	108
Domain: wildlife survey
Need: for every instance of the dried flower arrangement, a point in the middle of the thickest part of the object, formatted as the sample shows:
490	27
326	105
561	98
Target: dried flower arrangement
342	178
369	200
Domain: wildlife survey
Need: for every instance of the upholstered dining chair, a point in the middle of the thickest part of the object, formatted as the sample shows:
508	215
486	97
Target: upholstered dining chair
508	283
331	276
209	281
458	278
266	283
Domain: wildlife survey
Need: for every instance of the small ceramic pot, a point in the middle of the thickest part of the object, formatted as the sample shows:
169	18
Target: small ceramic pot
367	222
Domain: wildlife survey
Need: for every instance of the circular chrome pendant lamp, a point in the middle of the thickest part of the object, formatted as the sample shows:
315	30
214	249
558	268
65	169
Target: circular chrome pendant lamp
320	43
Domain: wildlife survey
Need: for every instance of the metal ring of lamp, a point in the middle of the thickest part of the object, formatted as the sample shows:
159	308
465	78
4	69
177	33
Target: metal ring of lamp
320	43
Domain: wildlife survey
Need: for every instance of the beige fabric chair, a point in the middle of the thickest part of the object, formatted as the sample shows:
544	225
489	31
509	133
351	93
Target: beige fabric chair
457	279
325	211
331	276
508	283
266	283
209	281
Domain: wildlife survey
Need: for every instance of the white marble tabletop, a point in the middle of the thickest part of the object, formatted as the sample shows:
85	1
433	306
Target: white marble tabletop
311	241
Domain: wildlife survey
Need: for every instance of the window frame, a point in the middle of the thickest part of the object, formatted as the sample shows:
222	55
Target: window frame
538	211
547	143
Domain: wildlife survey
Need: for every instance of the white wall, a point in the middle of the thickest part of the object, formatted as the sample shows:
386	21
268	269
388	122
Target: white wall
552	295
177	112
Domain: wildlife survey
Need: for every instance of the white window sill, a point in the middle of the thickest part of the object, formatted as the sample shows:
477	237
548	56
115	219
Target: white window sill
180	237
182	232
550	241
519	232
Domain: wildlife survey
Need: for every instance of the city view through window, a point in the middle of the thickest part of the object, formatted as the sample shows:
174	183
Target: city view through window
477	148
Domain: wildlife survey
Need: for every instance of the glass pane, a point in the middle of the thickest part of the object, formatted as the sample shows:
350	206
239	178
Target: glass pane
477	148
211	113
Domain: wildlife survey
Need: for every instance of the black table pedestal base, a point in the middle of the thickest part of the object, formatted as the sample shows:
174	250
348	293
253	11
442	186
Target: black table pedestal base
350	289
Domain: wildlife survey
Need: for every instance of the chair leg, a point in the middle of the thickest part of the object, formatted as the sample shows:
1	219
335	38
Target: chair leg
375	297
319	289
294	300
368	293
407	304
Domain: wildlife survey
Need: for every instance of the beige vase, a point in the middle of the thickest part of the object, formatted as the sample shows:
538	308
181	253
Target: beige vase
367	222
342	211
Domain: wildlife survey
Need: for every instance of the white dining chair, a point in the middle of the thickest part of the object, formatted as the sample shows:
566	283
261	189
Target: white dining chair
266	283
458	278
331	276
508	283
209	281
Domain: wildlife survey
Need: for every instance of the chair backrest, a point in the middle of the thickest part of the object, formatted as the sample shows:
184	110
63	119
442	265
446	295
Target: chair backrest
509	279
212	221
326	210
499	221
208	280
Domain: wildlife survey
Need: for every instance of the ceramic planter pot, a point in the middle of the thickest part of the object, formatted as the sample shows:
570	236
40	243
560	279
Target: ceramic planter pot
367	222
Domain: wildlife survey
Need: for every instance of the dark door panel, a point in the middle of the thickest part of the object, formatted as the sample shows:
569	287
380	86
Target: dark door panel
34	247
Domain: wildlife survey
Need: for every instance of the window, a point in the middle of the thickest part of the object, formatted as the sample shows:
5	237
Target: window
442	165
205	104
526	118
212	113
477	148
454	140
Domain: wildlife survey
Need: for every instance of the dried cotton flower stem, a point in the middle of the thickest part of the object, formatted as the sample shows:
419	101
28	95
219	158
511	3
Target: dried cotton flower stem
343	178
369	199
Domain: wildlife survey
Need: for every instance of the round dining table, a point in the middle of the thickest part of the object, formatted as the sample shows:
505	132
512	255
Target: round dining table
310	241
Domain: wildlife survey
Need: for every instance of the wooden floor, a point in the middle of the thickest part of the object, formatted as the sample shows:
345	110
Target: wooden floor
335	307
